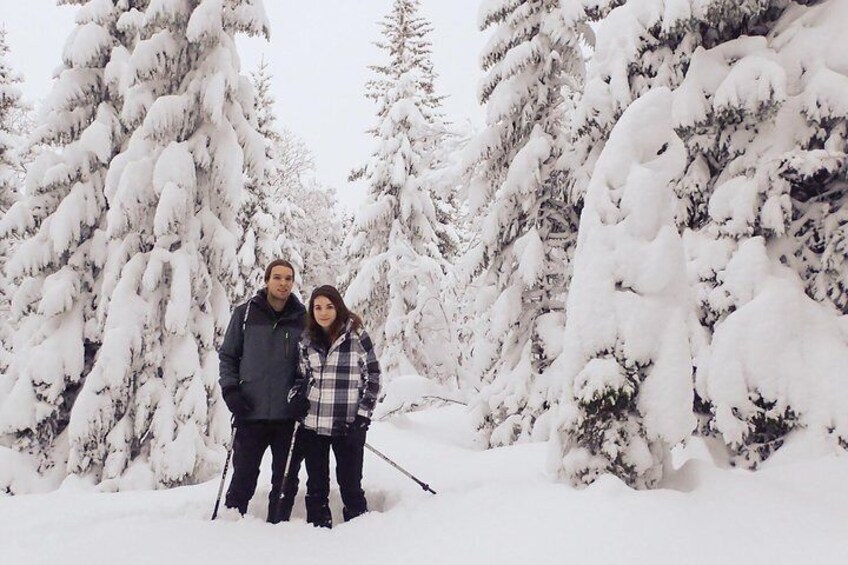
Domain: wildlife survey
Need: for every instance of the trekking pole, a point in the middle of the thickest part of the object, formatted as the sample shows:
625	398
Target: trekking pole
226	467
423	485
287	468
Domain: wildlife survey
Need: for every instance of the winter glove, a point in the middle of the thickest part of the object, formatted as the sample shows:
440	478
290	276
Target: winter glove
298	406
236	402
357	429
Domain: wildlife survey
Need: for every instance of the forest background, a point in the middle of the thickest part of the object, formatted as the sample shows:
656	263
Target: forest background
643	242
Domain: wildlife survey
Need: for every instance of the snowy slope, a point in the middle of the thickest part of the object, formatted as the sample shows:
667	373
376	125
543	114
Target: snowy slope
493	507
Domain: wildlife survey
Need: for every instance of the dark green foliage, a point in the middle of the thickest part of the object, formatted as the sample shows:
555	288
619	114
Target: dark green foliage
610	422
768	428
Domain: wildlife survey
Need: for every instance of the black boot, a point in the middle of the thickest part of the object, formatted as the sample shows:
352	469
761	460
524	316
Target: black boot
351	513
280	509
230	502
318	513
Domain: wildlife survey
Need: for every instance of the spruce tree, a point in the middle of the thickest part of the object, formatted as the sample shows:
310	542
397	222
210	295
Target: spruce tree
764	142
320	233
627	364
56	269
525	226
11	142
266	214
150	403
393	249
767	144
10	103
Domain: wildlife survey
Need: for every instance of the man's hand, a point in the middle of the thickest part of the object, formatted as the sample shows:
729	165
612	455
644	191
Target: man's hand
298	406
236	402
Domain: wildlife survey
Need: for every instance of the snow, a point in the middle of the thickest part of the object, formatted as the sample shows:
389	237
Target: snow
87	46
150	54
205	21
406	393
76	212
166	118
734	205
531	253
174	179
779	342
492	507
59	291
178	10
752	83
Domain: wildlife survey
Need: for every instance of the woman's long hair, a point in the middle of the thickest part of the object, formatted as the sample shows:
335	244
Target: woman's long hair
317	334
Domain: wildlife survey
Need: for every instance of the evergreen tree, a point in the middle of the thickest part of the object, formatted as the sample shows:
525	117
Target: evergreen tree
320	232
445	175
627	365
393	251
311	215
10	102
756	155
56	268
11	141
525	227
150	403
266	213
766	134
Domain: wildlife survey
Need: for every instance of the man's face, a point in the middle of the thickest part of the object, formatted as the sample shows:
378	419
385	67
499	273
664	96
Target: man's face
280	282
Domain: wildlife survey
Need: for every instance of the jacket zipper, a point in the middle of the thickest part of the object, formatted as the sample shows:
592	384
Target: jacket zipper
321	380
321	389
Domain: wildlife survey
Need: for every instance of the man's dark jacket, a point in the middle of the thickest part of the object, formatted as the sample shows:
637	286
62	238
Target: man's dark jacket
260	354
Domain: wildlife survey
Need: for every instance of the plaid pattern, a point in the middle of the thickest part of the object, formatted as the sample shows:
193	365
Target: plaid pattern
341	384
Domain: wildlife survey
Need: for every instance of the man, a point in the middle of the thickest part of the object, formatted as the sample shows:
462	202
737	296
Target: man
258	362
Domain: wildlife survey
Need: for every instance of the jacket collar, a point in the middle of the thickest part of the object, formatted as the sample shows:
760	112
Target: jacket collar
293	308
343	335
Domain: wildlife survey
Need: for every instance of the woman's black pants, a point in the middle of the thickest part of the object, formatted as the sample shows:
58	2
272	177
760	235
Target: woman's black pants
348	451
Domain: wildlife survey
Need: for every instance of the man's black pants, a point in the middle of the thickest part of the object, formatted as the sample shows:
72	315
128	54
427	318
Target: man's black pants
349	453
251	441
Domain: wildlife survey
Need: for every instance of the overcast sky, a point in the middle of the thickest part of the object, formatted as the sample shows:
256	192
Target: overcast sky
318	53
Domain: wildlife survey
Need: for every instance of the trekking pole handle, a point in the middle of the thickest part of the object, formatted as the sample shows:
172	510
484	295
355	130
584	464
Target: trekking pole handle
423	485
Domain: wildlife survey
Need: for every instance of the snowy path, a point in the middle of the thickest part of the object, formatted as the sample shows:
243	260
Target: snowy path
493	507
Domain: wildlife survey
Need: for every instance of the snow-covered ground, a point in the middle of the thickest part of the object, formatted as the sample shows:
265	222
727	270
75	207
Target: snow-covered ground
492	507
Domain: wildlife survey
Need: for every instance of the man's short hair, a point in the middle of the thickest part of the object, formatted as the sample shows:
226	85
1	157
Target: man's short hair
277	263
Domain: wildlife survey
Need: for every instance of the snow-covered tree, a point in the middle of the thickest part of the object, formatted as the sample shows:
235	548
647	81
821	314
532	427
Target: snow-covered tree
626	366
267	213
393	251
320	233
11	141
446	176
764	117
56	269
149	407
306	227
10	103
757	108
407	34
525	226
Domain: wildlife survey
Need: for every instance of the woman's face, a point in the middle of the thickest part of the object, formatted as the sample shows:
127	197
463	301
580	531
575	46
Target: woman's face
324	311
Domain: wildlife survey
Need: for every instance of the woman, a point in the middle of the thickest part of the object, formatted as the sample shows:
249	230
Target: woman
335	396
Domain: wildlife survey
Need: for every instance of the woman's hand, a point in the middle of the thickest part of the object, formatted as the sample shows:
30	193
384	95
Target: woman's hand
357	429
